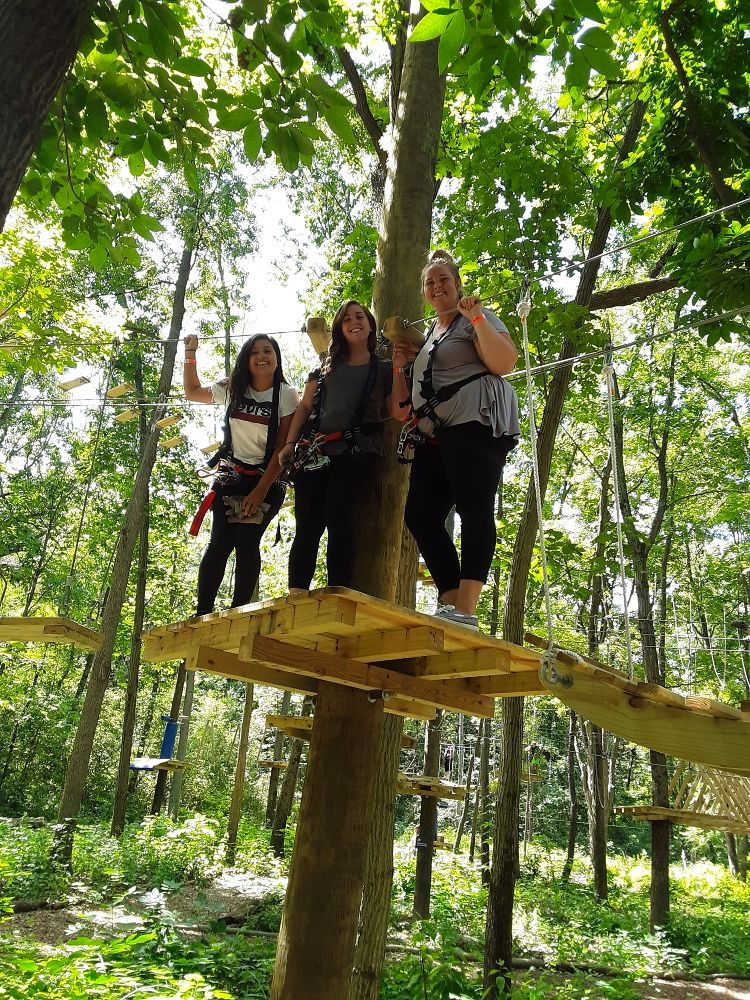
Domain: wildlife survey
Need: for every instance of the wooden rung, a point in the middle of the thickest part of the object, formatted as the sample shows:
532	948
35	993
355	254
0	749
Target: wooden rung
49	630
124	415
429	787
120	390
211	448
73	383
157	764
169	421
173	441
319	334
278	765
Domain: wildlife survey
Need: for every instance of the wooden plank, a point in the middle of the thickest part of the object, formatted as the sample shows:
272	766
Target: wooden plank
703	739
517	684
157	764
423	785
277	765
218	661
352	673
684	817
657	693
410	709
460	663
383	645
709	706
287	722
49	630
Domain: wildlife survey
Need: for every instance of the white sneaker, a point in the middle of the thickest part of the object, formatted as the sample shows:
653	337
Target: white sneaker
442	610
448	613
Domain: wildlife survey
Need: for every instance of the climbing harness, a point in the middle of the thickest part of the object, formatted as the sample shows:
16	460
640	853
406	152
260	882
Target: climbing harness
411	437
308	454
232	477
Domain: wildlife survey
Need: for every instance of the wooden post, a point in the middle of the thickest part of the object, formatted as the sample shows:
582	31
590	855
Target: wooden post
319	926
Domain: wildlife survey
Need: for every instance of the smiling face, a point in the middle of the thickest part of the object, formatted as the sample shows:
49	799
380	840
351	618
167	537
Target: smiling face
262	358
440	288
355	325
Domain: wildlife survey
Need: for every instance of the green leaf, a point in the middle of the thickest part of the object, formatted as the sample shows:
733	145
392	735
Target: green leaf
95	117
338	120
136	163
191	176
577	71
236	119
164	47
602	62
597	37
252	139
429	27
286	148
192	66
98	256
451	41
589	9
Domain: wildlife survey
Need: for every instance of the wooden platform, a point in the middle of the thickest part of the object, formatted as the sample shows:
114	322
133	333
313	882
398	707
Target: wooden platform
685	817
339	635
690	728
299	727
49	630
423	785
157	764
277	765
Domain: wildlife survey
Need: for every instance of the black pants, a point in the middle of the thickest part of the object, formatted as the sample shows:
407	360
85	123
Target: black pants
463	470
244	541
328	498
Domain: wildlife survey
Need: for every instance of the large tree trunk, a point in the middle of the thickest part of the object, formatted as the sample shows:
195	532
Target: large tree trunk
498	946
40	41
238	791
378	878
278	750
427	829
78	763
315	953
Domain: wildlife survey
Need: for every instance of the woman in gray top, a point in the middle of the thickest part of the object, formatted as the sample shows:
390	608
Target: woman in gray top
467	417
338	427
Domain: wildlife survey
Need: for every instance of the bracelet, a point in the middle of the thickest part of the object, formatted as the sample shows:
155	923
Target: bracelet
477	319
190	361
398	371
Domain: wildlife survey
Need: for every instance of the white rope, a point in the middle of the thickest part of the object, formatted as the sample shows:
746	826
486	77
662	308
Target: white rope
523	309
609	371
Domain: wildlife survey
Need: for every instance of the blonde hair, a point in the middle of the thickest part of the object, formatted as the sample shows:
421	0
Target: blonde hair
443	257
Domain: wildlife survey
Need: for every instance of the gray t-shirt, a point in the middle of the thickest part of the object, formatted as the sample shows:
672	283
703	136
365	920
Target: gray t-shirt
489	400
342	392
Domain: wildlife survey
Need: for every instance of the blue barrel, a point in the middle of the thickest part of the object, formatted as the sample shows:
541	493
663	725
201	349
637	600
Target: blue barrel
168	740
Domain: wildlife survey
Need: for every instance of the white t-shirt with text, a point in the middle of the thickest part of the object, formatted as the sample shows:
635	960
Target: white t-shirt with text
249	424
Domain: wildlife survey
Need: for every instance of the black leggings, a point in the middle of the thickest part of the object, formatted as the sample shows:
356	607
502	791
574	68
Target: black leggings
463	470
328	498
244	540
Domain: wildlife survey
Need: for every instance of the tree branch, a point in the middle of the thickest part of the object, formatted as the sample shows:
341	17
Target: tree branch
370	122
626	295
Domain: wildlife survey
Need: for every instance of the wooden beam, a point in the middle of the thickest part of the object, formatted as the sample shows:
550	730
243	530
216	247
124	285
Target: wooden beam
515	685
461	663
217	661
352	673
684	817
424	785
410	709
390	644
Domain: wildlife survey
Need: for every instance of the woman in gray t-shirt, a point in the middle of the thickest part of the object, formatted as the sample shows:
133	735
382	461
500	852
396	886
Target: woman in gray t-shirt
466	435
348	411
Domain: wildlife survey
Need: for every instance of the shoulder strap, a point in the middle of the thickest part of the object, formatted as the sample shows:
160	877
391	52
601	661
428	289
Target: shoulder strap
314	422
273	425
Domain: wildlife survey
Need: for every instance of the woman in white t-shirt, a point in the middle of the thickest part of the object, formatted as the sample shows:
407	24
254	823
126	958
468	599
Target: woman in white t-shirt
259	407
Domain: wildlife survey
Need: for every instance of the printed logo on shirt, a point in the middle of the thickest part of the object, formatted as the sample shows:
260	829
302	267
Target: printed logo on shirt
253	411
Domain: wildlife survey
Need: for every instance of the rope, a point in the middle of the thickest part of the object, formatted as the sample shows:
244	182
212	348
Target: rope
609	372
523	309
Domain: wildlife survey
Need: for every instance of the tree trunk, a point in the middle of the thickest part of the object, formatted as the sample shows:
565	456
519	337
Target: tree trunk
78	763
466	806
378	878
485	811
40	41
477	796
235	808
175	786
160	786
315	953
428	819
131	691
498	948
278	750
288	788
573	796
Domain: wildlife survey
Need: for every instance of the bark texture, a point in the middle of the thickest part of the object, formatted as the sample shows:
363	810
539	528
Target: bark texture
238	790
427	821
40	41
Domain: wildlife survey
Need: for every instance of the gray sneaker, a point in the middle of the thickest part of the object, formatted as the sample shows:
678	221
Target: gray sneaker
448	613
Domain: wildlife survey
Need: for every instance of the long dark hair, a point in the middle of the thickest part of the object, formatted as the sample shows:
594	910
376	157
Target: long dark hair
338	349
240	379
